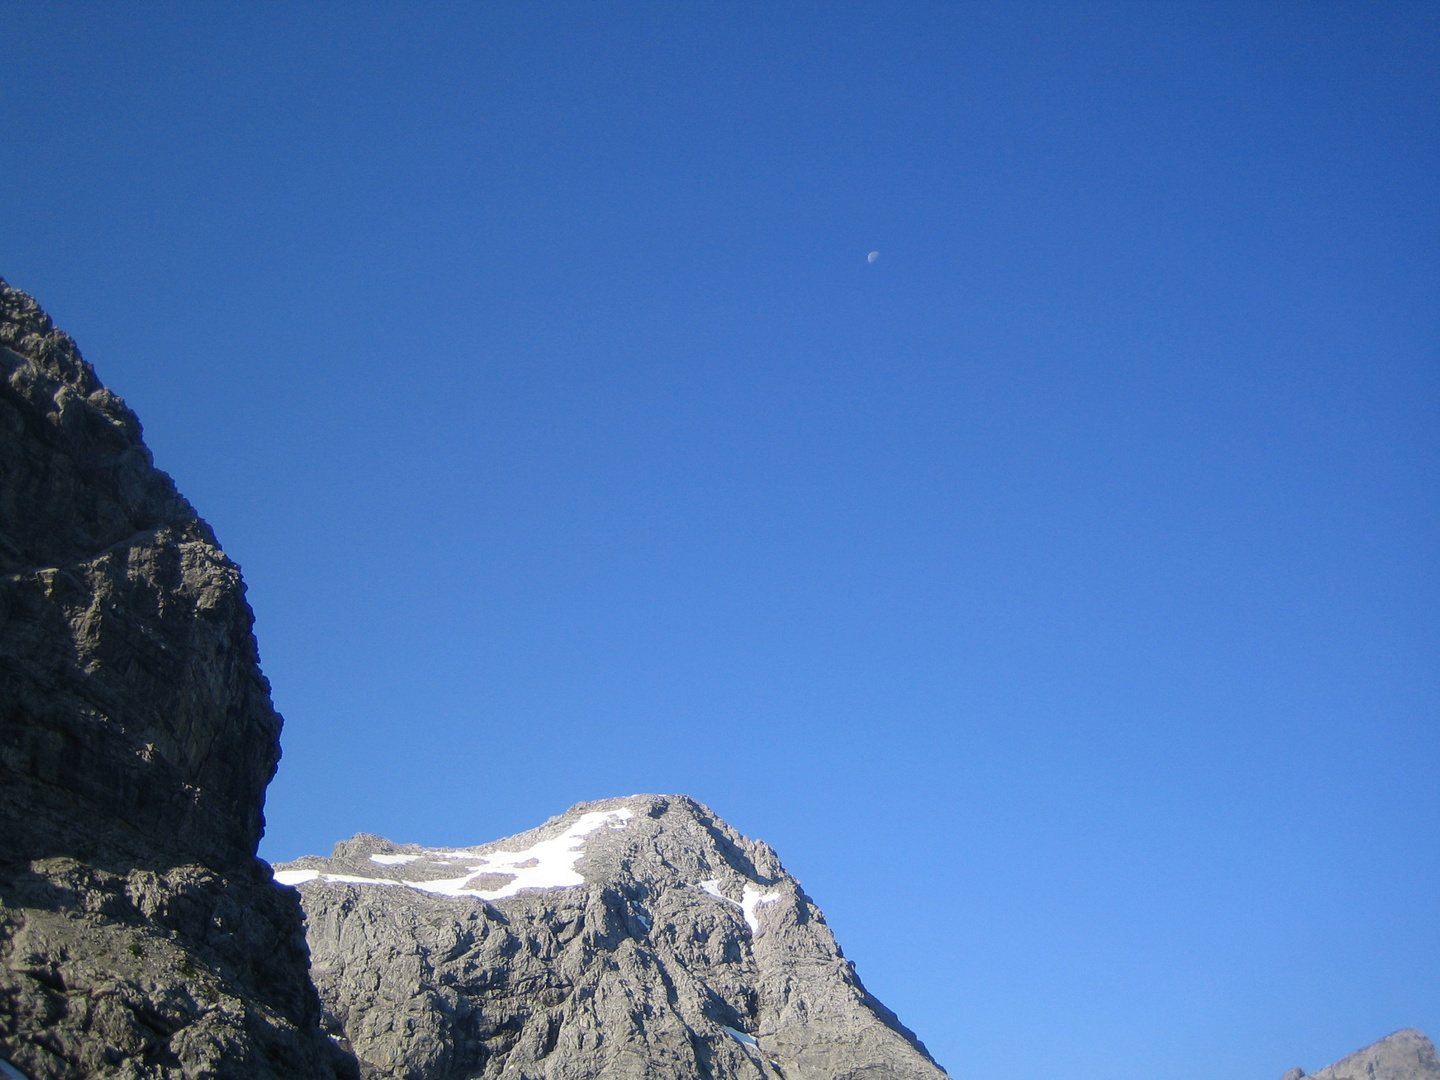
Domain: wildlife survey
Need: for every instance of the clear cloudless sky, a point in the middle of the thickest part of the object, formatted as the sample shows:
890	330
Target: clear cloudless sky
1057	592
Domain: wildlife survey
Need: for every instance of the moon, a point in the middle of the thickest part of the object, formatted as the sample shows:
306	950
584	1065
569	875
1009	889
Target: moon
872	256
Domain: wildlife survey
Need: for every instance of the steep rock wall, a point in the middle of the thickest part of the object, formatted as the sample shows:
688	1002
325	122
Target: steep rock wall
139	935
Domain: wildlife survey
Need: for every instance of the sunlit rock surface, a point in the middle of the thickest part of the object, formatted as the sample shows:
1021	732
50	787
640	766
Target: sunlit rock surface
1405	1055
634	937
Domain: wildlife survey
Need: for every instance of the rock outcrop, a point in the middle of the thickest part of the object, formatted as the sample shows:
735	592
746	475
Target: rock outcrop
139	934
629	938
1405	1055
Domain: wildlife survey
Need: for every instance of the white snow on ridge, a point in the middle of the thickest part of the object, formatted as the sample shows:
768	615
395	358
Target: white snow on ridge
295	877
550	864
740	1036
393	860
751	899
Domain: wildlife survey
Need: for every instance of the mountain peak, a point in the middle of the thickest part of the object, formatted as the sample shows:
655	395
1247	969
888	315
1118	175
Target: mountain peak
632	936
697	846
1402	1055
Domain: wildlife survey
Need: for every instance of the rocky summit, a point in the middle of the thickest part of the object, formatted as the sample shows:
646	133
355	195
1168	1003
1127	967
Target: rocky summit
139	935
629	938
1405	1055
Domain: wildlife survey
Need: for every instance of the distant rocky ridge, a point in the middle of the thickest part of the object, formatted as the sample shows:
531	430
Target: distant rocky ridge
139	935
1405	1055
629	938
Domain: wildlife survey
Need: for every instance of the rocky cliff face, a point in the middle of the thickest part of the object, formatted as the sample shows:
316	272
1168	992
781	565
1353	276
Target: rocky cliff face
630	938
139	935
1405	1055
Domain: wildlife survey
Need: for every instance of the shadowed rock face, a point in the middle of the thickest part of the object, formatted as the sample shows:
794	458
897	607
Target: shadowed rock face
635	937
133	695
1405	1055
139	935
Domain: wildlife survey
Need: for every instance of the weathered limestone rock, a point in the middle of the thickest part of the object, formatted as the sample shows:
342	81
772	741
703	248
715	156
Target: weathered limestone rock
139	935
1405	1055
629	938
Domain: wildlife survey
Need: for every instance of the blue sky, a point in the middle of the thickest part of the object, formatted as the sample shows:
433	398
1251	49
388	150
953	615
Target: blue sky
1057	593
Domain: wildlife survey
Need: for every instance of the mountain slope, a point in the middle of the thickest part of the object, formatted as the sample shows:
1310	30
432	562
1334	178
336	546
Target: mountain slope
139	935
1404	1055
628	938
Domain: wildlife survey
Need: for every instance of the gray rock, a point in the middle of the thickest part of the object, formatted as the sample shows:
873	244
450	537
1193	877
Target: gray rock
139	935
1405	1055
629	938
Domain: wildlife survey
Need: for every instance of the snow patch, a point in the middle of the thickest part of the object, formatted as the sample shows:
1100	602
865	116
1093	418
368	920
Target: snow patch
295	877
751	899
299	877
550	864
393	860
741	1036
641	917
